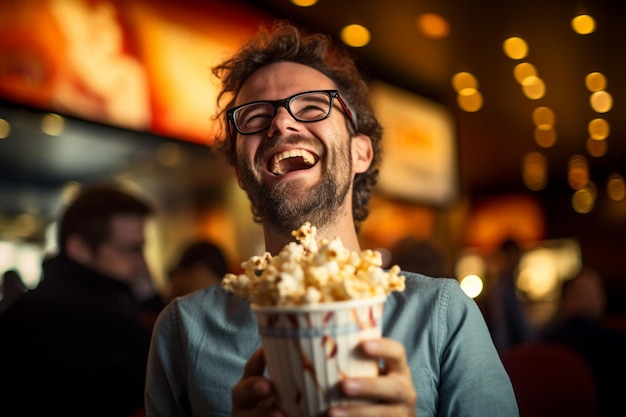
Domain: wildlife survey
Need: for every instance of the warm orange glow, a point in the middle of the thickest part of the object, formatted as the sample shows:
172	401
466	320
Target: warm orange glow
523	71
52	124
578	172
518	215
595	81
463	80
535	171
304	3
470	99
601	101
355	35
398	220
596	148
583	24
433	25
533	87
544	116
5	129
545	136
515	48
584	199
599	129
616	187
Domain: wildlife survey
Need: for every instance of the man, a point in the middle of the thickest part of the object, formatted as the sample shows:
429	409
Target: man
76	345
304	142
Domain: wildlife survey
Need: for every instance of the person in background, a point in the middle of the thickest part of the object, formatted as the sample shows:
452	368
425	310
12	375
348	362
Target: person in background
417	255
76	344
504	312
578	324
305	144
201	264
12	288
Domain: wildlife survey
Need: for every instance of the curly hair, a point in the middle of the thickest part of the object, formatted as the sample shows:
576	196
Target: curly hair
286	42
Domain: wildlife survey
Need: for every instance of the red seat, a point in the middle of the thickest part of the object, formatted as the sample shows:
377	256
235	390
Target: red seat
551	380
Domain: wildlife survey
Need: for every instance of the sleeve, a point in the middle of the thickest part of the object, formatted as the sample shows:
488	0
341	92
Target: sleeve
165	393
473	379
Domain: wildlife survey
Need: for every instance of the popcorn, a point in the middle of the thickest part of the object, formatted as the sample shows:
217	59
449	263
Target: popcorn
309	272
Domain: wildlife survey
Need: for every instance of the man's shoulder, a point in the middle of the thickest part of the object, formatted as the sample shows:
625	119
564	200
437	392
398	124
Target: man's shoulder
423	282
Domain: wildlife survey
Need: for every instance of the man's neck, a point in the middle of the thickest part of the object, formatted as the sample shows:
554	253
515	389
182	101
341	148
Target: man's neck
346	231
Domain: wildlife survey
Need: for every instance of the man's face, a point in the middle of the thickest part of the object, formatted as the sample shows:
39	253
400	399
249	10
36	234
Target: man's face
122	255
318	190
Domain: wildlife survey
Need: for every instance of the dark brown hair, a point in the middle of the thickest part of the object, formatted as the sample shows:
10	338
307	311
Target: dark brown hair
285	42
89	214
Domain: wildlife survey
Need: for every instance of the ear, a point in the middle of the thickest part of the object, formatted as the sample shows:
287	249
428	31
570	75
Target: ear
78	250
362	153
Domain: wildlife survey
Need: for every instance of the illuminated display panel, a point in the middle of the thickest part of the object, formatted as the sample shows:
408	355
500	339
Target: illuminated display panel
143	65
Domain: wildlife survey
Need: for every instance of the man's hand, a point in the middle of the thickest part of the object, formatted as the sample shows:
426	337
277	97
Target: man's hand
392	391
254	395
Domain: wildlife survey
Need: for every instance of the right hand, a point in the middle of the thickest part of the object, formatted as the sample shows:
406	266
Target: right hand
254	395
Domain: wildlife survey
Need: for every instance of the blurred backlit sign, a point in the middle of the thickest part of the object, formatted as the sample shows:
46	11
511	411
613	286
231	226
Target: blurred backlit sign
419	147
144	65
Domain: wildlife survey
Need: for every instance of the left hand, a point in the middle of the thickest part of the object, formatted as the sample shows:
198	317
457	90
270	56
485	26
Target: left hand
392	391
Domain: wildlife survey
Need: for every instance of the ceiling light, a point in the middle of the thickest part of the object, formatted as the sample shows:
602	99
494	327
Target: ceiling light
470	99
616	188
601	101
535	171
523	71
598	129
462	80
5	129
583	24
515	48
533	87
595	81
596	148
355	35
53	124
304	3
433	25
543	116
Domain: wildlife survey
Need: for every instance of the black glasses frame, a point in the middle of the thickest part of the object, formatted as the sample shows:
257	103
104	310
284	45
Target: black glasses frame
286	102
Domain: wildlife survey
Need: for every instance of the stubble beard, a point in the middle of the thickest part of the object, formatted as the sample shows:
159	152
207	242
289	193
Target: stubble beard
286	206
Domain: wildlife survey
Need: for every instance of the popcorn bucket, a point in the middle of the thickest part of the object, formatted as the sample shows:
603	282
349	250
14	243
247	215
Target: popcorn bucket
309	349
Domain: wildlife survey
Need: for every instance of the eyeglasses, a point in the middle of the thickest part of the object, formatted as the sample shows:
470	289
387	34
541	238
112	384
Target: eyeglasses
307	107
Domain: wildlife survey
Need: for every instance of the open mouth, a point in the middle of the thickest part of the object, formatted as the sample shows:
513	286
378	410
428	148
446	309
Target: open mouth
291	160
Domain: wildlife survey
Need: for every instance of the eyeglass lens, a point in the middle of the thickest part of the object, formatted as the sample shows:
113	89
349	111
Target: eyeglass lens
306	107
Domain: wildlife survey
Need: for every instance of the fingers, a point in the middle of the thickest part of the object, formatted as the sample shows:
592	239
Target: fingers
391	351
393	390
255	365
253	394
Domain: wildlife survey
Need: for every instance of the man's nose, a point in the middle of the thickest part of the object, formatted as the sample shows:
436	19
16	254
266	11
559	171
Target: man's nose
282	122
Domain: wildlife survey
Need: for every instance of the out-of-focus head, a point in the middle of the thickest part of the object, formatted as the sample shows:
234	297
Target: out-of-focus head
103	228
201	264
584	295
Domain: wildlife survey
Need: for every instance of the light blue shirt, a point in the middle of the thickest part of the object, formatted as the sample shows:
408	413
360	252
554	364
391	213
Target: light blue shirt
201	343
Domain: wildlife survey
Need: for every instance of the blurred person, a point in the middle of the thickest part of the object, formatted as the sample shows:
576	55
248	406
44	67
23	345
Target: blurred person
201	264
76	344
301	134
504	311
578	325
13	287
418	255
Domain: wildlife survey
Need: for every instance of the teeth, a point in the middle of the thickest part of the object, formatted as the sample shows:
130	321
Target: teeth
306	156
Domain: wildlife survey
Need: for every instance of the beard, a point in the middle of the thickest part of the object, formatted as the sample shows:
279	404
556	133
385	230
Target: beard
284	207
